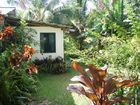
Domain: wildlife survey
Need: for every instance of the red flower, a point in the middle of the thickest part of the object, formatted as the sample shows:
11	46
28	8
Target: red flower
8	30
28	52
33	69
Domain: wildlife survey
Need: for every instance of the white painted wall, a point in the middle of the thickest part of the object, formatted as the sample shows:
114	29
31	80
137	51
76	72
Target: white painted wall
59	42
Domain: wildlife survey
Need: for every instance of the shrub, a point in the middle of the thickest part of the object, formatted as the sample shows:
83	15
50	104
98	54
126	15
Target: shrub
49	65
16	82
97	86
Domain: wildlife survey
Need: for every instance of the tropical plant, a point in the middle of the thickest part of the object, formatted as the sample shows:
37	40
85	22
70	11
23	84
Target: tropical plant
97	86
53	66
38	10
75	14
16	82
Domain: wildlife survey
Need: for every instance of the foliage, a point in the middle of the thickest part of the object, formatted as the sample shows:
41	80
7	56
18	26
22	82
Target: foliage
110	48
107	39
111	41
97	86
37	10
16	83
70	47
49	65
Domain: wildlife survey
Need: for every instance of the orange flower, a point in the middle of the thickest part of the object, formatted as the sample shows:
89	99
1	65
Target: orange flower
8	30
33	69
28	52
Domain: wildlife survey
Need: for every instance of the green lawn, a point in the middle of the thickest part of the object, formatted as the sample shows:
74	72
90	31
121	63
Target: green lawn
53	88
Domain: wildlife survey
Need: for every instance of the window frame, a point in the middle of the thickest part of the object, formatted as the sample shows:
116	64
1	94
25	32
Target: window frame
47	34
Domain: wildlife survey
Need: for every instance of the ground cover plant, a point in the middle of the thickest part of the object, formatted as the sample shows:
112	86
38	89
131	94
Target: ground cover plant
16	80
51	65
97	86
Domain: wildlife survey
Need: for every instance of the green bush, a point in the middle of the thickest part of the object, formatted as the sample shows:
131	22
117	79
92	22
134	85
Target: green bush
54	66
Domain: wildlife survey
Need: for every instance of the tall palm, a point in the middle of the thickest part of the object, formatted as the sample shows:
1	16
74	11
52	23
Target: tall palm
37	9
73	13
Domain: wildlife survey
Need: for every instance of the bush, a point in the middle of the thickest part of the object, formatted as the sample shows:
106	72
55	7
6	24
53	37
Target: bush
54	66
16	82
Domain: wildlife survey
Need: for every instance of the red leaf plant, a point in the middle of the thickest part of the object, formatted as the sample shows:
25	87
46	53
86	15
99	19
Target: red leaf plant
6	33
28	52
17	58
97	86
9	30
33	69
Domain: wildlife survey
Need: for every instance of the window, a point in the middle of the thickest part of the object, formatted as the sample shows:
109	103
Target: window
47	43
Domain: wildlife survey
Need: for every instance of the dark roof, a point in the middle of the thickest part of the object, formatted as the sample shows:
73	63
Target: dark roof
16	22
8	11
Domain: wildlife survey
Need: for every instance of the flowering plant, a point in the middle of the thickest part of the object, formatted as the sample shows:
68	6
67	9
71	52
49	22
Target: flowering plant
16	68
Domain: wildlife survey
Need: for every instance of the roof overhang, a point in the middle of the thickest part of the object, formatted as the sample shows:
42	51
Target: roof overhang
16	22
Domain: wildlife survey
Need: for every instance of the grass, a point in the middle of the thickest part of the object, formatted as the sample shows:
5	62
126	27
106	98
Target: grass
53	88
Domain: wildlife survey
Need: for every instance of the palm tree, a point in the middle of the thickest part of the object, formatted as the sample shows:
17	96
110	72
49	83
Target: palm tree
37	9
73	13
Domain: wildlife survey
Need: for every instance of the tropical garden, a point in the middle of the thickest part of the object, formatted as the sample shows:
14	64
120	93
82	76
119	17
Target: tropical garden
102	54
